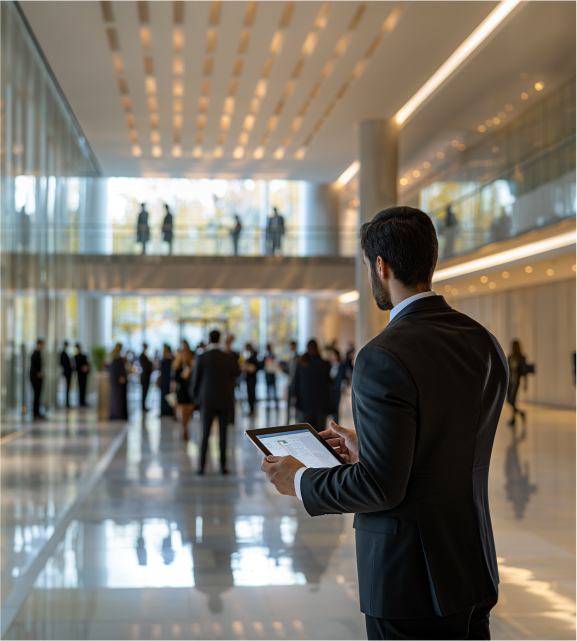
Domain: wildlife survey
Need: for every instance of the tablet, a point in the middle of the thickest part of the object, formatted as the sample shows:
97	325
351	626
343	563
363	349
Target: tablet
301	441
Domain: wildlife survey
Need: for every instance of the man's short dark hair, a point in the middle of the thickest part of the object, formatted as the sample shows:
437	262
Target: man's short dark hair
214	336
405	238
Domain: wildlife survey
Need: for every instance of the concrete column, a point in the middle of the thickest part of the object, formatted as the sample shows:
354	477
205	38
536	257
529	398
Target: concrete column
318	219
378	190
263	322
318	318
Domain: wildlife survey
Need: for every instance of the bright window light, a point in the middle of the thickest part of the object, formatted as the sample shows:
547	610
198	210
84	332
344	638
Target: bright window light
349	297
502	258
489	24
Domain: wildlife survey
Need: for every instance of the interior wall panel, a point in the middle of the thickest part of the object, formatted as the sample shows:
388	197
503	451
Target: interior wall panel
543	319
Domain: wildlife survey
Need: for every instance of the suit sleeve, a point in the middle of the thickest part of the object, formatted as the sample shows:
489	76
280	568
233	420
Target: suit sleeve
386	422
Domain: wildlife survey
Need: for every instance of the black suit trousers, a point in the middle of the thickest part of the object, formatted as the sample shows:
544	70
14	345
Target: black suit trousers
68	377
208	416
37	390
472	623
317	419
145	381
82	378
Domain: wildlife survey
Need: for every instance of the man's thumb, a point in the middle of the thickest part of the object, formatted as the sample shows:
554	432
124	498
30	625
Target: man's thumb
337	428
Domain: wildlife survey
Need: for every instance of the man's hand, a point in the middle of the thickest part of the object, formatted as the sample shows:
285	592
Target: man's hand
344	441
280	471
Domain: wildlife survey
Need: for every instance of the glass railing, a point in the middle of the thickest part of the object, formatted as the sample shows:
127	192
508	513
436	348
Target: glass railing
186	241
536	193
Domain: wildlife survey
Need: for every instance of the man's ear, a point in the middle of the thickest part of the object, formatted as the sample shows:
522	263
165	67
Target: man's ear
382	269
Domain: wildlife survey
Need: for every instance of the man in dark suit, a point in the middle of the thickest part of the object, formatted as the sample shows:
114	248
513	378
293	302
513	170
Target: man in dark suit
66	370
427	396
36	377
145	374
82	369
212	388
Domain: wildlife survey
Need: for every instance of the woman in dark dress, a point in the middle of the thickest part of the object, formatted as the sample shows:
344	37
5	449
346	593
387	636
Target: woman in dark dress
118	385
311	388
165	371
182	369
517	371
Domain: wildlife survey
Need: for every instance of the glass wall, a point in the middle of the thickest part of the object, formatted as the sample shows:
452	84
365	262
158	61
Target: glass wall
47	169
518	177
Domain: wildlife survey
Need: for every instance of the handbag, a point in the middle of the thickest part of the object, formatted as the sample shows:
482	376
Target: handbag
171	399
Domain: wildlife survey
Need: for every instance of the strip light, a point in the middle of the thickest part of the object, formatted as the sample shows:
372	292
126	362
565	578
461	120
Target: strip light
489	24
349	173
349	297
531	249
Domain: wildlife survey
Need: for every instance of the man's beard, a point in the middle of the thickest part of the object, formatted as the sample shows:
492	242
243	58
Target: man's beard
380	294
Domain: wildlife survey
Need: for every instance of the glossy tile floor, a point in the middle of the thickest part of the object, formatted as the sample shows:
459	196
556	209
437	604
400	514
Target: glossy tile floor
159	553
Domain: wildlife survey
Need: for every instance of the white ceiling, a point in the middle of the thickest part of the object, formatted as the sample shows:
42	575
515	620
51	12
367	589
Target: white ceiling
538	40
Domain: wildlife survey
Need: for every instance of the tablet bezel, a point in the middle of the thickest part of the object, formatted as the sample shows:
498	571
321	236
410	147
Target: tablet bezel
251	434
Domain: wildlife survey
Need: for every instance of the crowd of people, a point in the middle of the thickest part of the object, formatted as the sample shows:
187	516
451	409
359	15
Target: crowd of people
274	231
212	377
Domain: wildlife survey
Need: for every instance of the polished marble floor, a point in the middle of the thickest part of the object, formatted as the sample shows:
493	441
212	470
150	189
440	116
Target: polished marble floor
157	552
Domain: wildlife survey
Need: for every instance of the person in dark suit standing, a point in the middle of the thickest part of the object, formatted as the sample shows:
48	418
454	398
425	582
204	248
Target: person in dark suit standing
118	384
82	369
249	369
36	378
311	388
66	370
427	396
167	229
165	378
212	388
517	371
142	228
145	374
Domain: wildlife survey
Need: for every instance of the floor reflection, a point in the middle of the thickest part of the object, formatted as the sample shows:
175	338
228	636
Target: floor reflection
518	487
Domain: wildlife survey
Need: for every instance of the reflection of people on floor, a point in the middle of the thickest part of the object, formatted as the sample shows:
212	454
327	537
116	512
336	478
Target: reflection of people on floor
118	385
518	488
141	553
165	378
145	374
36	377
66	365
517	371
82	369
167	550
211	555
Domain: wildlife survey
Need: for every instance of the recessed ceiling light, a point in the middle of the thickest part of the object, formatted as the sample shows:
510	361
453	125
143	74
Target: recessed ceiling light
448	288
276	43
416	173
155	136
260	90
218	152
462	147
524	96
492	285
403	181
248	123
472	288
197	152
454	291
225	122
496	121
482	128
309	44
455	143
279	153
440	154
177	87
501	11
258	153
528	269
136	151
178	39
426	164
156	151
150	84
505	274
238	152
145	38
550	272
228	107
177	66
176	151
484	279
301	153
539	86
243	139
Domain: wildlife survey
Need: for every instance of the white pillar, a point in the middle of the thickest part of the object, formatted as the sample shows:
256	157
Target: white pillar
318	219
263	322
378	190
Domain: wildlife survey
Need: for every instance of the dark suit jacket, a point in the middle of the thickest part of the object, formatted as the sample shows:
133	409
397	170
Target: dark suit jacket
146	366
311	387
81	361
427	396
213	379
66	364
35	365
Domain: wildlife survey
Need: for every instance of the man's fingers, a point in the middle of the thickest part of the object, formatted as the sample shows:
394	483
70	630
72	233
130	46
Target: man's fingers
339	429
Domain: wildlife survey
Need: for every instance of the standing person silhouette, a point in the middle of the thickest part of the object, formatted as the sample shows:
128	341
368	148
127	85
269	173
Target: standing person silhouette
277	231
165	369
82	369
66	370
118	384
235	234
145	374
167	228
517	371
142	228
36	377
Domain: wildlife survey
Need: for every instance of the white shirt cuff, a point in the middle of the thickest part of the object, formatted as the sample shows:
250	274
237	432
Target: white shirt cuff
298	476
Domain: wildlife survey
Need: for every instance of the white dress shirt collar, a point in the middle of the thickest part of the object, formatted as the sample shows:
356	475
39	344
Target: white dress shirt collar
397	308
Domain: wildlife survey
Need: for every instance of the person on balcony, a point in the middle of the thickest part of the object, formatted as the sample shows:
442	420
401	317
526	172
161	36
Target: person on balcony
276	229
235	234
167	229
142	228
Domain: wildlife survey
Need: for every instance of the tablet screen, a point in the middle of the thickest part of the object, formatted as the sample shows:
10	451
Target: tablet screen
302	445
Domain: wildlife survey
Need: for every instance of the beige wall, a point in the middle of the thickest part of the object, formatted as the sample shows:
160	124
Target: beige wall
542	317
